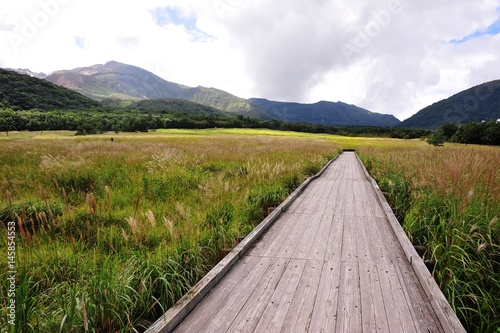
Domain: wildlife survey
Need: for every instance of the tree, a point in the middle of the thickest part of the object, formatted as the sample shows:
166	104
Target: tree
7	121
448	130
437	138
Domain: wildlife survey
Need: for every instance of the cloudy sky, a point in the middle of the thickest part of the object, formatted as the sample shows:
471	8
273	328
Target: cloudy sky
388	56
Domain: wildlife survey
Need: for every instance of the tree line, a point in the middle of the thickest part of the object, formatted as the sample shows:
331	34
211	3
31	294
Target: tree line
100	120
484	133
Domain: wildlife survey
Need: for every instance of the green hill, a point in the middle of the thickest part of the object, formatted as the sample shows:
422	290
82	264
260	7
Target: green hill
120	81
226	102
23	92
326	113
477	104
166	105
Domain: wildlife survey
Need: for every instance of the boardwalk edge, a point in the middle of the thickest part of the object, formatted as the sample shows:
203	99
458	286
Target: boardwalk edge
447	317
176	314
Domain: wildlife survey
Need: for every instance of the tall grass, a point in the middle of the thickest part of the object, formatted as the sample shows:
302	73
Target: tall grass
449	200
111	234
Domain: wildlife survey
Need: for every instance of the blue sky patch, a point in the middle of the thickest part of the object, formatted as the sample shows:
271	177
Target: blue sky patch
80	42
493	29
164	16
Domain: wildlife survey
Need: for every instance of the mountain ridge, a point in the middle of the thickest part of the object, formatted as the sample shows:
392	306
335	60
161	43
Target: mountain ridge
25	92
326	113
121	81
476	104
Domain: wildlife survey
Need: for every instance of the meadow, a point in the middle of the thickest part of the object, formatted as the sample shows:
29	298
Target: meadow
111	233
448	200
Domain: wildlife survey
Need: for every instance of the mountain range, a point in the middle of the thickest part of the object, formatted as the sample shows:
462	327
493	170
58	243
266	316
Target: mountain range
115	80
326	113
120	84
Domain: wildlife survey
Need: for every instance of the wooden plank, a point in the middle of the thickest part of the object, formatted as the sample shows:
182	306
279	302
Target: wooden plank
308	237
335	239
285	241
359	198
271	237
349	248
393	319
298	318
324	315
424	316
372	204
322	201
402	307
349	306
221	310
373	314
246	318
274	314
237	278
367	247
421	312
319	245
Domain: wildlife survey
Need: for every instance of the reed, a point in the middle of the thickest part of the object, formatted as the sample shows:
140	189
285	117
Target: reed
111	234
448	199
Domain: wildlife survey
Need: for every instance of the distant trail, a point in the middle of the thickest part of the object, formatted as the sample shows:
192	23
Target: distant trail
330	263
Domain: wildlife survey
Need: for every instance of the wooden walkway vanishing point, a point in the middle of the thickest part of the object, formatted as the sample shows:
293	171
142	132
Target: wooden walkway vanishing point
332	258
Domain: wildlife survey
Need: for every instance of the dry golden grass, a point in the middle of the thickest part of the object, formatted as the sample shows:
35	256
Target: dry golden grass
123	228
449	199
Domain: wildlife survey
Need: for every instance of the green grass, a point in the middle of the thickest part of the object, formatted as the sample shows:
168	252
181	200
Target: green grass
449	200
111	234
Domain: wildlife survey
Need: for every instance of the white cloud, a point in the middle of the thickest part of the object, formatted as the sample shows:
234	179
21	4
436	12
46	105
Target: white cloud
399	56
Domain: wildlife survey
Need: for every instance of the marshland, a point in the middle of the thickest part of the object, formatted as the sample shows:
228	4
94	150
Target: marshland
111	233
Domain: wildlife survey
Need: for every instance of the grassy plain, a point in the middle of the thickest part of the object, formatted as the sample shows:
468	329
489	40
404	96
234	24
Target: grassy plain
111	233
114	232
449	200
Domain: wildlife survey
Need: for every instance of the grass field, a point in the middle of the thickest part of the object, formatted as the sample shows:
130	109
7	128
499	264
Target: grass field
449	199
112	233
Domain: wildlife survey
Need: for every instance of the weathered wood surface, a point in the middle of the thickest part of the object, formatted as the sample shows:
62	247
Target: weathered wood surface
331	262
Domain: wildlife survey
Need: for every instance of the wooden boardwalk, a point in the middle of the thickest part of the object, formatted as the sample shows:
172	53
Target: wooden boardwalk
330	263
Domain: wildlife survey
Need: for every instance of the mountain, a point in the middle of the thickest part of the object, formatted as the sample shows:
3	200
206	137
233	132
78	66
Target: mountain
479	103
224	101
115	80
121	81
326	113
175	105
24	92
28	72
